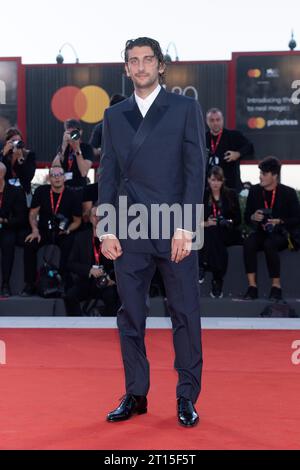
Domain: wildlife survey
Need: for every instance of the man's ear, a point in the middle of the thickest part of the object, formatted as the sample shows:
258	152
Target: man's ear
127	70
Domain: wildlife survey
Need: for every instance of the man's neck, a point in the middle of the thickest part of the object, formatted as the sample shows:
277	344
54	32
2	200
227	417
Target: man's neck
57	190
2	186
216	132
271	187
143	93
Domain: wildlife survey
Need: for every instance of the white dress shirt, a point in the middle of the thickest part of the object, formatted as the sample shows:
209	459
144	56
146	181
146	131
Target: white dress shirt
144	104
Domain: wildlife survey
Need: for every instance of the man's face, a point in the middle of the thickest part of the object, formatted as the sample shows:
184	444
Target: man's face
143	67
57	178
215	122
267	179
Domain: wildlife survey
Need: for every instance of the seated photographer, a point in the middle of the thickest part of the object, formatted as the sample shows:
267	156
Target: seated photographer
20	162
222	216
54	216
75	156
272	210
12	217
92	273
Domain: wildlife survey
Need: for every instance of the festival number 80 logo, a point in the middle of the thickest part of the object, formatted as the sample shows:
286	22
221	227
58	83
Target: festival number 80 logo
86	104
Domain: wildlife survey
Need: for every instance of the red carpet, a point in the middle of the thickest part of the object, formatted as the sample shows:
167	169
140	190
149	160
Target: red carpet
58	385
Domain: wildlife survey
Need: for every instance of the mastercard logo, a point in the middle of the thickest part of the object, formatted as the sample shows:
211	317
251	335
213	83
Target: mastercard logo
254	73
256	123
85	104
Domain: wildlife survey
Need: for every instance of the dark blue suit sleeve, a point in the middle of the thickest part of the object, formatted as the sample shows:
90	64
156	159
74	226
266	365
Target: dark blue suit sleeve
194	157
109	176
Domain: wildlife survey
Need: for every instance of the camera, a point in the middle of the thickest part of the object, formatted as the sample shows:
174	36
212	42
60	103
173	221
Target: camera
102	281
58	223
222	222
212	159
75	134
18	144
267	213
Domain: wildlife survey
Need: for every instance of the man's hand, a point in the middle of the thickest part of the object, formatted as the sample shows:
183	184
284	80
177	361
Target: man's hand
231	156
211	222
96	272
258	216
111	247
274	221
35	234
181	245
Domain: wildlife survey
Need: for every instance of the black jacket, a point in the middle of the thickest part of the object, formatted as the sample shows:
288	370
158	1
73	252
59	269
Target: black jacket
13	207
235	141
82	255
228	205
24	172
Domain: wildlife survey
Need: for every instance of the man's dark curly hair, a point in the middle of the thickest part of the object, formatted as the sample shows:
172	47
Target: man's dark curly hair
144	41
270	165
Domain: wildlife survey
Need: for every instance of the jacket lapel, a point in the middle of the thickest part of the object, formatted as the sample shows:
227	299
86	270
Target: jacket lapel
151	120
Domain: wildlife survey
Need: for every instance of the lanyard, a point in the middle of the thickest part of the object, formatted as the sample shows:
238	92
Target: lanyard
97	252
272	201
215	211
214	145
58	201
70	160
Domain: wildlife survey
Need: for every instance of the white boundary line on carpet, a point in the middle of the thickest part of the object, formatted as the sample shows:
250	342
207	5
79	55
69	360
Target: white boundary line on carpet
212	323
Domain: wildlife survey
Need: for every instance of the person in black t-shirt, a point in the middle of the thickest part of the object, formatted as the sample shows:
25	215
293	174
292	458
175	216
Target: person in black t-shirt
272	210
225	148
19	161
54	216
75	156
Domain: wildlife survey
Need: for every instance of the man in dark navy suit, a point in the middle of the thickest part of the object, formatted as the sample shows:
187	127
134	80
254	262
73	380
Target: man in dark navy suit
153	154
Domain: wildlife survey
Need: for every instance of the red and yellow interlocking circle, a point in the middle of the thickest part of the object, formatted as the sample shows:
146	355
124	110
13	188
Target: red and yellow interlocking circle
85	104
254	73
256	123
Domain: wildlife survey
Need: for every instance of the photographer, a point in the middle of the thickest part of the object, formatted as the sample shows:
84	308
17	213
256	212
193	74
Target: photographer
54	216
222	216
20	162
92	273
12	217
272	210
74	156
225	148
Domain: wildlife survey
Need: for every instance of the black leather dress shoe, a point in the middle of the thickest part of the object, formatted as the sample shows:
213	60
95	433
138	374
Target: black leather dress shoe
187	415
130	405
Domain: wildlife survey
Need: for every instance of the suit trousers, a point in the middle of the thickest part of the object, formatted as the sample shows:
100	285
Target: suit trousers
134	272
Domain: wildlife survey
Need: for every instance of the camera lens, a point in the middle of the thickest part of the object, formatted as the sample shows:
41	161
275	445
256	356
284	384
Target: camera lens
75	134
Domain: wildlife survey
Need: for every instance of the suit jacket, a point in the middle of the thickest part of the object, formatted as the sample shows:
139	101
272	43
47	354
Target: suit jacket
155	160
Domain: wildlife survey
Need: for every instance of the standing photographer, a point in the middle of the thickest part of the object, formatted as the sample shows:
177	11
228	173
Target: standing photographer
12	218
93	273
222	216
74	156
54	215
226	147
272	210
20	162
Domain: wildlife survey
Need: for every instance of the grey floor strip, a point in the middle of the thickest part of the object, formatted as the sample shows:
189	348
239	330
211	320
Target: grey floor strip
152	322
